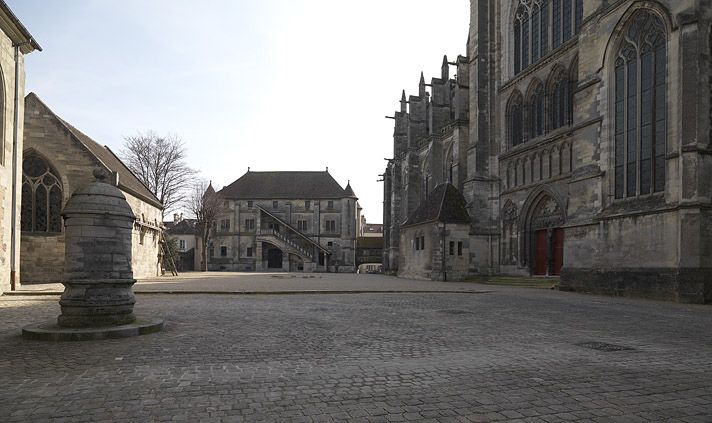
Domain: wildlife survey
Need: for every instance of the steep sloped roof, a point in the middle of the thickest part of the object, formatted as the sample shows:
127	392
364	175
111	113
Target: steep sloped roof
444	204
209	189
184	227
284	185
349	192
127	180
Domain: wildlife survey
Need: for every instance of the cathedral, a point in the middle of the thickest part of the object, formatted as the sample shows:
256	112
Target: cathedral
576	136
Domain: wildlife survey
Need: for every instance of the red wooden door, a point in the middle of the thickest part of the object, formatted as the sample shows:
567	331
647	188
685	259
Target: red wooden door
558	250
541	252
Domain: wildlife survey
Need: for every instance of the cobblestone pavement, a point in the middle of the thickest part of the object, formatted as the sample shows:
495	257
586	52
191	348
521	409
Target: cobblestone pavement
507	355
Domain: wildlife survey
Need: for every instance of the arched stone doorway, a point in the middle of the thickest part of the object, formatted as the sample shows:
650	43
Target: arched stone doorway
544	234
272	255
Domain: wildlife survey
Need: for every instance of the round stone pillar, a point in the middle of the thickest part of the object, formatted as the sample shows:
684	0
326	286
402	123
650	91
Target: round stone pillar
98	275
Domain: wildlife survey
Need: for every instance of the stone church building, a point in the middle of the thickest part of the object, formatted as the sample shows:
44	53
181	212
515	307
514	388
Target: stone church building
286	221
578	133
15	43
57	160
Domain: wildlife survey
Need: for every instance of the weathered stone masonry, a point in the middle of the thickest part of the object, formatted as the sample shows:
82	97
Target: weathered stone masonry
15	43
286	221
69	156
587	147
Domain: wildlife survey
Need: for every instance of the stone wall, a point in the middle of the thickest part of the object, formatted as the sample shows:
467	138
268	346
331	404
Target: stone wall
7	93
145	238
73	165
610	245
42	258
427	262
237	238
42	255
415	262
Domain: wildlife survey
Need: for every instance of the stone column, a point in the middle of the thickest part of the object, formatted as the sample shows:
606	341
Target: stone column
259	263
98	276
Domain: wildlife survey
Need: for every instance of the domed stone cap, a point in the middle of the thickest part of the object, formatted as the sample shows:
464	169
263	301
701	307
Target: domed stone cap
98	197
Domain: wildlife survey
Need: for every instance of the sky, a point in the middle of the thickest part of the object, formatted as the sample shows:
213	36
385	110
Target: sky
266	84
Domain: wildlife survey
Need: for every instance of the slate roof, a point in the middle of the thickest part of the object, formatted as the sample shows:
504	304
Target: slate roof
209	189
184	227
348	191
127	180
444	204
284	185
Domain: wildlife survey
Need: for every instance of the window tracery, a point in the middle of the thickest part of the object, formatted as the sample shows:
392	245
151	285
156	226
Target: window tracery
532	31
536	112
640	109
41	196
515	118
559	102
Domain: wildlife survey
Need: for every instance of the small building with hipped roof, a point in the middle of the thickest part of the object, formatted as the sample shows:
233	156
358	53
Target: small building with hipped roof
434	241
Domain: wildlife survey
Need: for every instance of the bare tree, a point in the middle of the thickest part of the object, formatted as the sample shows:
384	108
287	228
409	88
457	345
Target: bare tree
159	162
204	203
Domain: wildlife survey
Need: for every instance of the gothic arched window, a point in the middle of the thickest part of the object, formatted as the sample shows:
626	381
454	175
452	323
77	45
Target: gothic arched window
41	196
536	112
640	111
560	102
515	117
556	23
532	31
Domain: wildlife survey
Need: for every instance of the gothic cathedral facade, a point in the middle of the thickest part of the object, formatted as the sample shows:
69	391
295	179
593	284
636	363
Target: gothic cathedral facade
578	133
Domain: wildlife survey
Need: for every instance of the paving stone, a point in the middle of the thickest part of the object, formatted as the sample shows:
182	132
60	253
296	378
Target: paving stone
375	357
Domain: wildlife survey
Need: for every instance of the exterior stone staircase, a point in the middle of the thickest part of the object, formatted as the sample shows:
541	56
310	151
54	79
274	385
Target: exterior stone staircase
284	243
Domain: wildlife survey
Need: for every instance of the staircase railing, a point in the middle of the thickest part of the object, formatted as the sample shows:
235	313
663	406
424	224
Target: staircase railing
284	239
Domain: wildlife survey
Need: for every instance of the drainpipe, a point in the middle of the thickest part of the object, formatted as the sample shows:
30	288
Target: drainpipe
13	209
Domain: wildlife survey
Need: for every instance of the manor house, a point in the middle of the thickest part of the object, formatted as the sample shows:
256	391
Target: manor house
286	221
578	135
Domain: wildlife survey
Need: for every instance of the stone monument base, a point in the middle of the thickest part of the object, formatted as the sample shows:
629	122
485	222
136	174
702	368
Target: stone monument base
51	331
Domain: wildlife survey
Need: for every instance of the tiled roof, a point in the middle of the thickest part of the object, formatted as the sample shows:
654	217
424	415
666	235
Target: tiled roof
444	204
127	180
284	185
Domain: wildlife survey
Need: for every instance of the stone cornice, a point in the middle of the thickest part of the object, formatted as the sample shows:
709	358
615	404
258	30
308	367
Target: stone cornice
20	36
550	138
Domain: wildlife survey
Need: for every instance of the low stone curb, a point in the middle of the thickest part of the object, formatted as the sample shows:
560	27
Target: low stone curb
324	292
50	331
